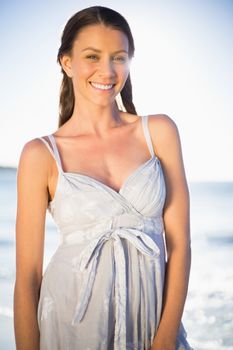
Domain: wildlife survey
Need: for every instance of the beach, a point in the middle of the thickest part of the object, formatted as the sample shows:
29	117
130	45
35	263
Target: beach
208	314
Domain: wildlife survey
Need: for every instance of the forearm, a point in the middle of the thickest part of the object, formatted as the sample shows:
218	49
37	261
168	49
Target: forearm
175	291
25	317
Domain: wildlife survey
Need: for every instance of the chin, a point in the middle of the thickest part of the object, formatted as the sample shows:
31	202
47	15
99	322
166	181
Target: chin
104	104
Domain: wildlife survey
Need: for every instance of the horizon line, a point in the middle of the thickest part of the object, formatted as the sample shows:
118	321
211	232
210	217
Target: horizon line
14	168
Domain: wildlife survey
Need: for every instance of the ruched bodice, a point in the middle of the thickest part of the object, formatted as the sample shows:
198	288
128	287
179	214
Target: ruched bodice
103	286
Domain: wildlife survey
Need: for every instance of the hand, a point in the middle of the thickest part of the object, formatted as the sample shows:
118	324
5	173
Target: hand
155	347
162	347
159	344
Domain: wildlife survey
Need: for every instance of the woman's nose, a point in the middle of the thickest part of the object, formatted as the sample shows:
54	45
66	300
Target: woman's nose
106	69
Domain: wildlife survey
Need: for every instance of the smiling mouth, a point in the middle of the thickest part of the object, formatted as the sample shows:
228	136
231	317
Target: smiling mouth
102	86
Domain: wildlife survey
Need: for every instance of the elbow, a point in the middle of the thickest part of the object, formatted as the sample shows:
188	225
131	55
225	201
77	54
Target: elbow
182	249
27	286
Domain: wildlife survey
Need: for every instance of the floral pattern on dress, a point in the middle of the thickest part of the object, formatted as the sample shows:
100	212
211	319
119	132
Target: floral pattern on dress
47	307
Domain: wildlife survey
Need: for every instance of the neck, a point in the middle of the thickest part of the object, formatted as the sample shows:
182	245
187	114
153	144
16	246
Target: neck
89	118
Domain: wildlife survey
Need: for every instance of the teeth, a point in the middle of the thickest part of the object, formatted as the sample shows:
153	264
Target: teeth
102	86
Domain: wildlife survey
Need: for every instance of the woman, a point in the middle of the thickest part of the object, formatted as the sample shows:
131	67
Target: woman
103	176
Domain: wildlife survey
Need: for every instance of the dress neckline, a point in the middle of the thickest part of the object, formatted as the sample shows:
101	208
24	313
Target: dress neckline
153	157
101	183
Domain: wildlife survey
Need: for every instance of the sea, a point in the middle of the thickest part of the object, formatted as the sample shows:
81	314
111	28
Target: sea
208	313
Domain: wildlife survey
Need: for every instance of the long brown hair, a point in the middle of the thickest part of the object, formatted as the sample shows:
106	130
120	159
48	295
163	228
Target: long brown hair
91	16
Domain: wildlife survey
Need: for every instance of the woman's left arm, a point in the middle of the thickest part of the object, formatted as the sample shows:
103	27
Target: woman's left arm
167	145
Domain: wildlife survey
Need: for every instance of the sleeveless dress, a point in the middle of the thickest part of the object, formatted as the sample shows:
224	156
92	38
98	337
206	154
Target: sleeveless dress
102	289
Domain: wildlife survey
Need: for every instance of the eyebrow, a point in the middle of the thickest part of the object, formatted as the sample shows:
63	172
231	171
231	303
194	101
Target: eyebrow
97	50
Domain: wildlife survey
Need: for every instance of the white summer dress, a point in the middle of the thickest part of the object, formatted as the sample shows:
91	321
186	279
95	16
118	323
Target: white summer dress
102	289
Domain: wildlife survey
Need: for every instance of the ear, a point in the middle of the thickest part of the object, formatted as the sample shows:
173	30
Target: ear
65	62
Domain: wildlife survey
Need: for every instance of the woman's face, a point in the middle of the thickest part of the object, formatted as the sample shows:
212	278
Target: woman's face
99	64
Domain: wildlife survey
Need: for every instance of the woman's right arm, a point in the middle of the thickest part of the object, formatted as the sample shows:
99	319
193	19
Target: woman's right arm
32	200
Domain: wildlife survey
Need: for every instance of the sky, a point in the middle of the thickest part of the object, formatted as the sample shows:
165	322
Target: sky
182	67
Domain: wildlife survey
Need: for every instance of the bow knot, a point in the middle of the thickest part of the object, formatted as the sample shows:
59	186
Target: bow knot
137	231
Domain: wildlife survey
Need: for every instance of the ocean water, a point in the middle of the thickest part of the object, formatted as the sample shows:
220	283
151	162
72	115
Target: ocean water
208	314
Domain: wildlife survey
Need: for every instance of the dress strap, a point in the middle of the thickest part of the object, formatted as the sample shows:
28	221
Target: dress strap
147	134
53	150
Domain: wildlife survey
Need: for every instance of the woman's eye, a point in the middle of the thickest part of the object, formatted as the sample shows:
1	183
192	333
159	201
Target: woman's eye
120	59
92	57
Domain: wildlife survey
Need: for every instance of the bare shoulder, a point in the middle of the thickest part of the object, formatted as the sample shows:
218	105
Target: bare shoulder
33	147
34	158
162	122
164	132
